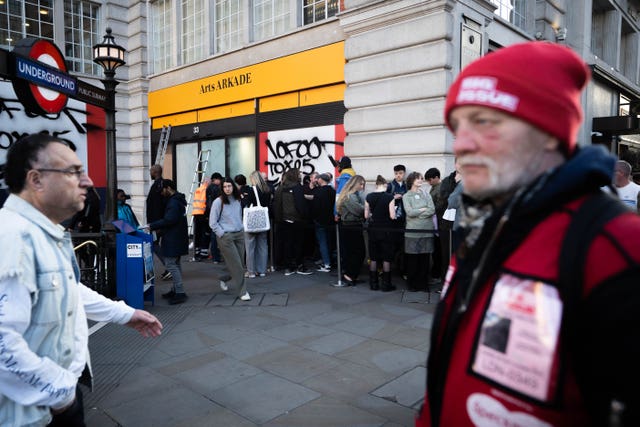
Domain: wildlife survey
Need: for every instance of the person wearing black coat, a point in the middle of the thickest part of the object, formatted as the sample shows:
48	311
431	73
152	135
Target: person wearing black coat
155	208
290	212
447	185
175	239
322	207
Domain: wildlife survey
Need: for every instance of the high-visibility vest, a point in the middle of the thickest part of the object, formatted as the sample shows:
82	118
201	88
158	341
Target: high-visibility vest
199	200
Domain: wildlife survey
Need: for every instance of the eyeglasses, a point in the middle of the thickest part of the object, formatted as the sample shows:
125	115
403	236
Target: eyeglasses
78	172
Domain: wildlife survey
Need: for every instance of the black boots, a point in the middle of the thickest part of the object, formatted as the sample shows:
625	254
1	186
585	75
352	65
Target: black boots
373	280
386	282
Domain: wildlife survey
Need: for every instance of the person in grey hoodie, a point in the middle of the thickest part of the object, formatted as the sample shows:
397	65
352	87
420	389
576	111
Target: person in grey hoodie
225	220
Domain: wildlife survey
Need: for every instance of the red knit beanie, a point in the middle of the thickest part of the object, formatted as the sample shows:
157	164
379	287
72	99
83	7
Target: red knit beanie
538	82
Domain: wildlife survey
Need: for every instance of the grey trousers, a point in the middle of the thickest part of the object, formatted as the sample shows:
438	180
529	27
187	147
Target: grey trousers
231	246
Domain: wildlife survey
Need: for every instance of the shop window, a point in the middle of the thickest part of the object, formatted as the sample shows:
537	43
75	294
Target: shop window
242	155
228	25
162	44
186	159
318	10
229	156
194	32
22	19
512	11
605	32
270	18
217	156
629	49
82	32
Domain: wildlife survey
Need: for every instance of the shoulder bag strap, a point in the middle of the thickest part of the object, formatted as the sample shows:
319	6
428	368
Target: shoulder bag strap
257	198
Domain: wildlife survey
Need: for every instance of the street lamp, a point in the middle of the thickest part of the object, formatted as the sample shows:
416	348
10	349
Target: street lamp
110	56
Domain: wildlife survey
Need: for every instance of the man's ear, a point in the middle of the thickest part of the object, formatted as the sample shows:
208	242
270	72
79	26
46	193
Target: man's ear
33	180
551	143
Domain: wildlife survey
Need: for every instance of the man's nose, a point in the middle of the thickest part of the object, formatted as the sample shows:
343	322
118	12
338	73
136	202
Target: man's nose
464	141
85	181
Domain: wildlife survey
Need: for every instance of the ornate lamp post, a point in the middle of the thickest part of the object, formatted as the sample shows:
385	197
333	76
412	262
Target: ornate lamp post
110	56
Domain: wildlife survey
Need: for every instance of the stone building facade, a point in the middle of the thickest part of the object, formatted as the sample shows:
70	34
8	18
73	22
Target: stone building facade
272	84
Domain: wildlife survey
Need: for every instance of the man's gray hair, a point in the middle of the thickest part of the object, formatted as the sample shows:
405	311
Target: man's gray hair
624	167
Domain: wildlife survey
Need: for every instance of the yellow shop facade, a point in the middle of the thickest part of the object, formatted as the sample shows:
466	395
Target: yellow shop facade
270	116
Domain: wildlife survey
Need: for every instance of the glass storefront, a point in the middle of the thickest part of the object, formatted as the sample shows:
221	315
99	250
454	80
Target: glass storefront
230	156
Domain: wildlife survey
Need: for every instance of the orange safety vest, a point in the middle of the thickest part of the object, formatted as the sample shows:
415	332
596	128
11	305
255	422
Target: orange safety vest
199	200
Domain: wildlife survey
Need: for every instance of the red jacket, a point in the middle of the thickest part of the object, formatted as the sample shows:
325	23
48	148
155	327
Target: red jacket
506	361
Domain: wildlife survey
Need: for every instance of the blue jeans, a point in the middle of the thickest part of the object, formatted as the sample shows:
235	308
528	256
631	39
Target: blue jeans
157	252
322	237
174	267
215	252
257	251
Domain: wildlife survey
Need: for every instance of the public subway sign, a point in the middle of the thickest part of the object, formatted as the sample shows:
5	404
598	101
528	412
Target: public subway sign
38	72
80	124
42	83
38	96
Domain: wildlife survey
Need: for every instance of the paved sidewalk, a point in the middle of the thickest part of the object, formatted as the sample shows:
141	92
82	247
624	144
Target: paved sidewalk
300	353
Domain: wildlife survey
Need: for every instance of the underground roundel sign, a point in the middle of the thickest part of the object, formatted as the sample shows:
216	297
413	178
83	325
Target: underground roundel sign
42	83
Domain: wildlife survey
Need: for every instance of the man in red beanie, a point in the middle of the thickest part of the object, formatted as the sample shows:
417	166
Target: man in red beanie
538	319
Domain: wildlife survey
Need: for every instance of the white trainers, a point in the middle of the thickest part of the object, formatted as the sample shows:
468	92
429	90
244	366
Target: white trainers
324	268
245	297
223	286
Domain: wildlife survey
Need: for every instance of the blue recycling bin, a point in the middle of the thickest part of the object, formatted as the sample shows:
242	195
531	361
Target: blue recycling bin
134	259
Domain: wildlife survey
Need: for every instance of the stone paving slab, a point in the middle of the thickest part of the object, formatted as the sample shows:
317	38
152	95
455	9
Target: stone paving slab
423	321
222	300
263	397
397	414
387	357
207	378
407	389
362	325
294	364
334	343
348	381
417	297
159	408
249	346
298	330
332	317
275	299
327	412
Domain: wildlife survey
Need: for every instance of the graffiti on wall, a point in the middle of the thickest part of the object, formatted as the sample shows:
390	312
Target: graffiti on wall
307	149
72	125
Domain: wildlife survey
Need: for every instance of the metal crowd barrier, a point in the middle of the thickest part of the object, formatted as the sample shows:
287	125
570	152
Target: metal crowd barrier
91	253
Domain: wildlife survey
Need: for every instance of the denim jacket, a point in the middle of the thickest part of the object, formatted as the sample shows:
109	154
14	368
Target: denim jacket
43	328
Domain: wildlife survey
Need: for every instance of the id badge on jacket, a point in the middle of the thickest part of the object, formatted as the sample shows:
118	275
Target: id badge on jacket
519	336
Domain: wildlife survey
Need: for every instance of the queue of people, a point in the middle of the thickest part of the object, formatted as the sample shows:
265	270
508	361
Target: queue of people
304	212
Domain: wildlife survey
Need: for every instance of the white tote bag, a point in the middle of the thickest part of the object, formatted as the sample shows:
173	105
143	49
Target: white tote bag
256	218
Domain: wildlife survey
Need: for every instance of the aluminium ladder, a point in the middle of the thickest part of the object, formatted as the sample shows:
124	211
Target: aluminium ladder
162	144
198	178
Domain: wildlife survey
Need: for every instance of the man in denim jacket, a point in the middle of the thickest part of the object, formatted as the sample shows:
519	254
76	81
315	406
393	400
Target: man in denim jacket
43	307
